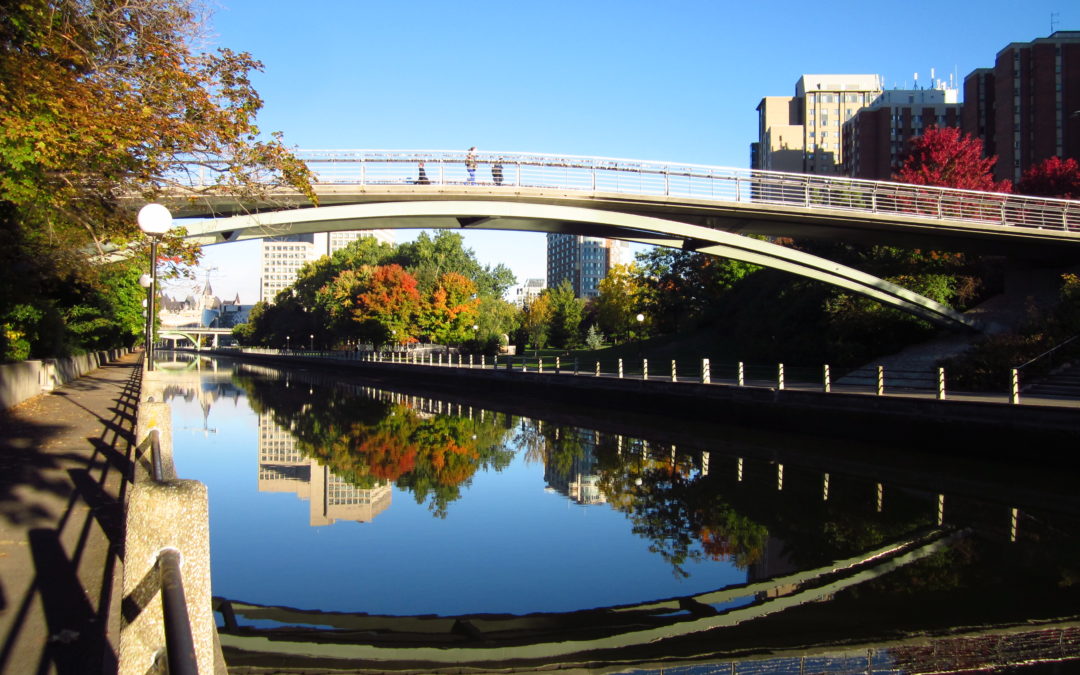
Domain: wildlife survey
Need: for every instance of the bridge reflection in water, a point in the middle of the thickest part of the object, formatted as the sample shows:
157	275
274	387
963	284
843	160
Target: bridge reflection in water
832	555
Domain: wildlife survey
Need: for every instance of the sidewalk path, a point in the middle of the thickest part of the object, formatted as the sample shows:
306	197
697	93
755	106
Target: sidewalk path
64	458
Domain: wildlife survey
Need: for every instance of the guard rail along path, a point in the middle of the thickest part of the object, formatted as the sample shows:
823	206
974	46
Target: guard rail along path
637	177
168	622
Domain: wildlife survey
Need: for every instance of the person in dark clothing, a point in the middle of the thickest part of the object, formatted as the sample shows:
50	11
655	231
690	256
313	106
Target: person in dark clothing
421	177
496	171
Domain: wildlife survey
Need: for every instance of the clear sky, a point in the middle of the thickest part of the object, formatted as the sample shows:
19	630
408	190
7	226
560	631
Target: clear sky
677	80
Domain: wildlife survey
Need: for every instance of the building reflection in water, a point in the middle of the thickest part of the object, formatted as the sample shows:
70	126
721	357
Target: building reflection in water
284	468
581	482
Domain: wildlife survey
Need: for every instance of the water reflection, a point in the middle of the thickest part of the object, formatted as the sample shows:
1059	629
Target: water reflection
776	551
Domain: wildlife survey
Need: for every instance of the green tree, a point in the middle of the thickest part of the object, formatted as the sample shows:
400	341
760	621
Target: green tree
679	288
428	258
566	313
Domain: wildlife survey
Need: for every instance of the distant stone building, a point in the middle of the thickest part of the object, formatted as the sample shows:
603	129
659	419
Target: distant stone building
529	291
202	309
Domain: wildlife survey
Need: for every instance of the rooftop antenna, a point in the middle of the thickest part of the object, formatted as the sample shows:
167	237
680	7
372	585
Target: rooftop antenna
1054	21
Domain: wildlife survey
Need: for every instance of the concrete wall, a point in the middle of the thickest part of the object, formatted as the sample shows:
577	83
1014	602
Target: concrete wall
26	379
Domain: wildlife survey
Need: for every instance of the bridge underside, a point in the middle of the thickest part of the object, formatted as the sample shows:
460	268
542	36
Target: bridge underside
531	217
774	219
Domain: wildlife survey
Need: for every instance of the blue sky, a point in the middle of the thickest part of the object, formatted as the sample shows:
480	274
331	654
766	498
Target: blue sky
667	81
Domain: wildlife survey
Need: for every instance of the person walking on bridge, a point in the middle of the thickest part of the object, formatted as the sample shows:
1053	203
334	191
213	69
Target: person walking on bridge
470	165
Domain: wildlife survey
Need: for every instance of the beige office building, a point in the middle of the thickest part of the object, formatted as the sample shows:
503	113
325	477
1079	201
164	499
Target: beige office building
803	133
282	257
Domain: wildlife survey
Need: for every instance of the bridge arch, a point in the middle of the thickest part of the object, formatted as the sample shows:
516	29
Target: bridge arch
553	218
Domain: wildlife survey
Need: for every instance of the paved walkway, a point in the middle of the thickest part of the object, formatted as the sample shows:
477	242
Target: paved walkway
63	460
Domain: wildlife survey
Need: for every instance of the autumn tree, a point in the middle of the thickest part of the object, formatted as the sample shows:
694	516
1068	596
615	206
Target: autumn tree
102	101
388	305
945	157
1052	177
535	322
452	310
619	301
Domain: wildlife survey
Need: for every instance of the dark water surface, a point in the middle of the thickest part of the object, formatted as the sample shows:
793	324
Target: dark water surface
329	495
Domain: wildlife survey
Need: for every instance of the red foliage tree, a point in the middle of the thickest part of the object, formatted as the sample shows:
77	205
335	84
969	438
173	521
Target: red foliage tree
946	158
1053	177
391	299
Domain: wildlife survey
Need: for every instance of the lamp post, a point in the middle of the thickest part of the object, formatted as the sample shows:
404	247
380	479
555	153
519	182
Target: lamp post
312	336
288	343
640	322
148	327
154	220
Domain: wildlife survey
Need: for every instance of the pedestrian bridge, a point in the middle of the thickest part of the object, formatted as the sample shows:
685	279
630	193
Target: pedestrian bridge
692	207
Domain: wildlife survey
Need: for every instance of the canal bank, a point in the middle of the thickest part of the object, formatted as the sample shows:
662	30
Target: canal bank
961	428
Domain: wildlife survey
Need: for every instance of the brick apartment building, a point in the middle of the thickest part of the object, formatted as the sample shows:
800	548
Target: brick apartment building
1027	107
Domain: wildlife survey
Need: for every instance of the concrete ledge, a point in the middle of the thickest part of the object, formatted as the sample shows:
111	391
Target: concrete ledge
159	515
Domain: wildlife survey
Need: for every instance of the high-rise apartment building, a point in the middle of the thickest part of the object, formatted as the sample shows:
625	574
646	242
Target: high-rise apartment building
803	133
584	261
876	139
1027	108
282	257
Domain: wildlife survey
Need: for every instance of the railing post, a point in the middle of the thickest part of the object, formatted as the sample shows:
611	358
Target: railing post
1014	386
483	360
644	369
741	375
620	369
941	384
674	376
706	374
575	365
881	380
780	376
540	364
827	380
558	365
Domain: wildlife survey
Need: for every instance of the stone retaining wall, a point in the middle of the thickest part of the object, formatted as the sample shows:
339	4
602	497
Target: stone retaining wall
26	379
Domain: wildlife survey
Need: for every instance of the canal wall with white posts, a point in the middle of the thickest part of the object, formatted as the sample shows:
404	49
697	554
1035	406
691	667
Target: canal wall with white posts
970	425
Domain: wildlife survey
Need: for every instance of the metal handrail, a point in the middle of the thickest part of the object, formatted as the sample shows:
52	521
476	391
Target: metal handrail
179	640
725	184
1047	352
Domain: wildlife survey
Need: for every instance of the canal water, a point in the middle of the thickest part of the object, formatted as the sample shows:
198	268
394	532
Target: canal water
331	495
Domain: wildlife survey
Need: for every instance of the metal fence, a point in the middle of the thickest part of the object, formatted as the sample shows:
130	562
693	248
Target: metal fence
513	170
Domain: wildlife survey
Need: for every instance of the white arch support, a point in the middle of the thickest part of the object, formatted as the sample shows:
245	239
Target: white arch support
519	216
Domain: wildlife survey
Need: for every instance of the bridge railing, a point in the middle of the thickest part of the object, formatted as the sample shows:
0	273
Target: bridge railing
507	171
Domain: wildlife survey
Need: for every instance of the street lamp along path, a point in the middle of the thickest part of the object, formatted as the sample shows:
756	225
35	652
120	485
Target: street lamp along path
154	220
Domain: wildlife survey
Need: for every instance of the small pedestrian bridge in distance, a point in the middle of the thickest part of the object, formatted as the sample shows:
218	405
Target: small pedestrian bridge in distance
687	206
